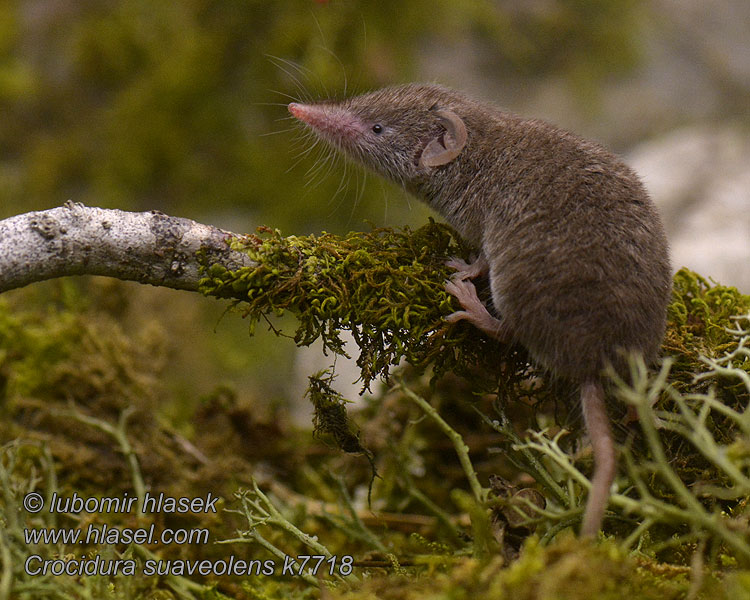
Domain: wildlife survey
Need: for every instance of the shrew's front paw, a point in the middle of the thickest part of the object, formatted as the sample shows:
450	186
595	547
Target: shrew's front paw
466	270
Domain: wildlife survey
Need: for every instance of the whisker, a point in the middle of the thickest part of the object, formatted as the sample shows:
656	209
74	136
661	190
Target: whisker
327	168
338	60
276	132
339	193
301	69
359	195
292	98
318	167
285	66
300	157
323	40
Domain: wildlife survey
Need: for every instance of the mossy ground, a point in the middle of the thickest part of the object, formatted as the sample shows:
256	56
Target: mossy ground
69	372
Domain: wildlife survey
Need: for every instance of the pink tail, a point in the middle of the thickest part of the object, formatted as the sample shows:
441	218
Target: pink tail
605	461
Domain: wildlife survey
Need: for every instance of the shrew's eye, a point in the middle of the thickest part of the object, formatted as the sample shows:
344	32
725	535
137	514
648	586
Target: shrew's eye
377	128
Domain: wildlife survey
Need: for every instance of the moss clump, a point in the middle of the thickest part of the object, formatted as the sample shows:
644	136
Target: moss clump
703	327
55	359
700	317
330	417
566	570
384	286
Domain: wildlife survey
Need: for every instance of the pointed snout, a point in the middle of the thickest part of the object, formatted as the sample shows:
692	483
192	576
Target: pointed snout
333	123
297	110
309	114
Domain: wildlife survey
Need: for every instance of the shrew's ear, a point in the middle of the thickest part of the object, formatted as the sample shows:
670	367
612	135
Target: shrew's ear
440	152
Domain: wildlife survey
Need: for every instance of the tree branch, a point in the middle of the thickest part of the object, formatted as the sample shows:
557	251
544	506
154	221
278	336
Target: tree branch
74	239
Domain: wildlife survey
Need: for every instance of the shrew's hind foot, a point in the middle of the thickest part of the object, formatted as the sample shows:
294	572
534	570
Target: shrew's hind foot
474	311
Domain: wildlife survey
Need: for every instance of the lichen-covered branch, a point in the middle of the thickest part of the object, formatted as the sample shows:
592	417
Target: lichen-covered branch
73	239
384	286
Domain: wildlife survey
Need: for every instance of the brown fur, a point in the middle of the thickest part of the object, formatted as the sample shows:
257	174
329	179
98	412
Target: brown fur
579	264
577	256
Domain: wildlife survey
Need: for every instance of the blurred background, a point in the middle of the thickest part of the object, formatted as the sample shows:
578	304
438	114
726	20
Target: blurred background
181	107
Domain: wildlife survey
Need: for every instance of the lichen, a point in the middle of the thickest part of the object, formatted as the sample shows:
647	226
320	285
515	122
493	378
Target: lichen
700	322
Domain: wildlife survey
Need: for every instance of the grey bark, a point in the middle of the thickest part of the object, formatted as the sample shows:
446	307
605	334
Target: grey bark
74	239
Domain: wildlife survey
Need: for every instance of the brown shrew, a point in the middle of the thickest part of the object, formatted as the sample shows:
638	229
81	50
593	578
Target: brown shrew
575	251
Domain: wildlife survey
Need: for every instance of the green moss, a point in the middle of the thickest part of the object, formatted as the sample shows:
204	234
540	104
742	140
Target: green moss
699	316
384	286
703	326
330	417
567	570
69	353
